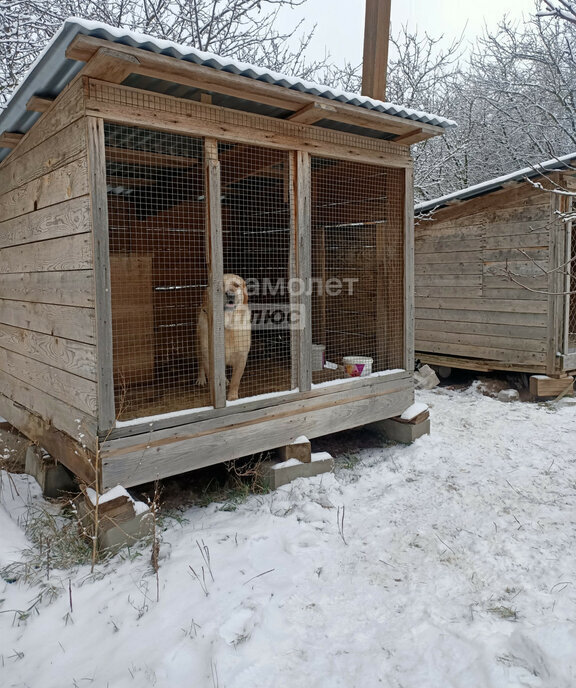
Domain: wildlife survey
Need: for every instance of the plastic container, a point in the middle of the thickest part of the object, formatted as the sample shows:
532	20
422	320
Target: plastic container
357	366
318	356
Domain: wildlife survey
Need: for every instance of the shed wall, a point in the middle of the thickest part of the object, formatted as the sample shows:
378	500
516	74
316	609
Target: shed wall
47	324
481	289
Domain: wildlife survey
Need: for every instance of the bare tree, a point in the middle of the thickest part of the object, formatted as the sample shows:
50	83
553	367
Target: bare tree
561	9
244	29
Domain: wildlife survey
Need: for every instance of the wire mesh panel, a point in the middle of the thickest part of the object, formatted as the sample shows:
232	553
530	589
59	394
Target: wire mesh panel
156	205
256	225
357	269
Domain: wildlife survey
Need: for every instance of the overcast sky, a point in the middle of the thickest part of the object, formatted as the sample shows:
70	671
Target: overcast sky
340	23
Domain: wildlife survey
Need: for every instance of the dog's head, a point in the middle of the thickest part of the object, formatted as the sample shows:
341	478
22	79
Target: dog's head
235	292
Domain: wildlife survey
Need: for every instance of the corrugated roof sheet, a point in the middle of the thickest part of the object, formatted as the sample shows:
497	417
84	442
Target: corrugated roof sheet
52	71
555	164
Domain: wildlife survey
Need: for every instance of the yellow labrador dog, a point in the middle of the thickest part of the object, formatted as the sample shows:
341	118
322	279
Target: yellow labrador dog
237	333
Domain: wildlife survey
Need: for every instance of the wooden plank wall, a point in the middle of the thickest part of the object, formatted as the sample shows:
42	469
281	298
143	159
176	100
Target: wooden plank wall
480	292
47	326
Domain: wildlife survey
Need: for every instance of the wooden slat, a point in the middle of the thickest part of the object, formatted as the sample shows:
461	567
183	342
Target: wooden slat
443	291
481	339
94	135
61	254
74	288
75	391
191	448
62	321
45	433
214	254
478	316
478	364
485	352
472	268
499	330
63	111
502	306
73	422
66	183
73	357
62	219
304	258
452	280
180	71
67	145
444	258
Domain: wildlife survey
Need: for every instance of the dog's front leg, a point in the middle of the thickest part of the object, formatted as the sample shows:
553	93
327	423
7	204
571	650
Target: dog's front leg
203	355
238	363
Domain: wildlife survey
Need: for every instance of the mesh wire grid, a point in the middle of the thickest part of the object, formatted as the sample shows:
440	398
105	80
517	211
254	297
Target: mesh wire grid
357	268
157	220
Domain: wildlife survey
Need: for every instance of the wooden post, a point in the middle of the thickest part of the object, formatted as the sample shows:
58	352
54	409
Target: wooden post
375	60
215	273
99	211
409	275
303	257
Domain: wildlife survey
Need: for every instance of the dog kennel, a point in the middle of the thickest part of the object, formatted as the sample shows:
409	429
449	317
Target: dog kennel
153	174
494	274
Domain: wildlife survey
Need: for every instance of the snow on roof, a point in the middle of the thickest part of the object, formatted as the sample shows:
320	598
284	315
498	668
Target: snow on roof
52	71
561	163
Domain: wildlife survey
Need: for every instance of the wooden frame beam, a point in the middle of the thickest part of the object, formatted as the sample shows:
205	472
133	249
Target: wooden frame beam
37	104
313	112
105	100
146	158
8	140
110	65
206	78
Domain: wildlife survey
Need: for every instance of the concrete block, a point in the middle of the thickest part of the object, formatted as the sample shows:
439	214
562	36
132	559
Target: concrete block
126	533
278	474
119	523
401	432
54	478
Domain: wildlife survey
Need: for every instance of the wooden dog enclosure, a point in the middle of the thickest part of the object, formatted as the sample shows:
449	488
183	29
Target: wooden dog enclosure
494	275
147	180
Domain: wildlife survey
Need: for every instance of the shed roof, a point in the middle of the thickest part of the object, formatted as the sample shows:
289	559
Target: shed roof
553	165
52	71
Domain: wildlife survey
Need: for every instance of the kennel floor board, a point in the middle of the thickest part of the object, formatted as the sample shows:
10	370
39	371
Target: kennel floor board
259	378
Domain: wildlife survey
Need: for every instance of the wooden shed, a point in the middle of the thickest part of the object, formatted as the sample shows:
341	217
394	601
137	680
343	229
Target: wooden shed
136	174
494	274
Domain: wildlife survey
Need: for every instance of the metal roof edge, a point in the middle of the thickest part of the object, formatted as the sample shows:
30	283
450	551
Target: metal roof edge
470	192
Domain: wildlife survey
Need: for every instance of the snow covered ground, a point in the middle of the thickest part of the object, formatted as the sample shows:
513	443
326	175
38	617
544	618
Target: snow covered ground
448	563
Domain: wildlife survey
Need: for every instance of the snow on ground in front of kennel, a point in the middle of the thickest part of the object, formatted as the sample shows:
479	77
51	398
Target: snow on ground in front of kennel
453	566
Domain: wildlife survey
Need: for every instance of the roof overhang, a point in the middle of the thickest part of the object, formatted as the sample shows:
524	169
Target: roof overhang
118	55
